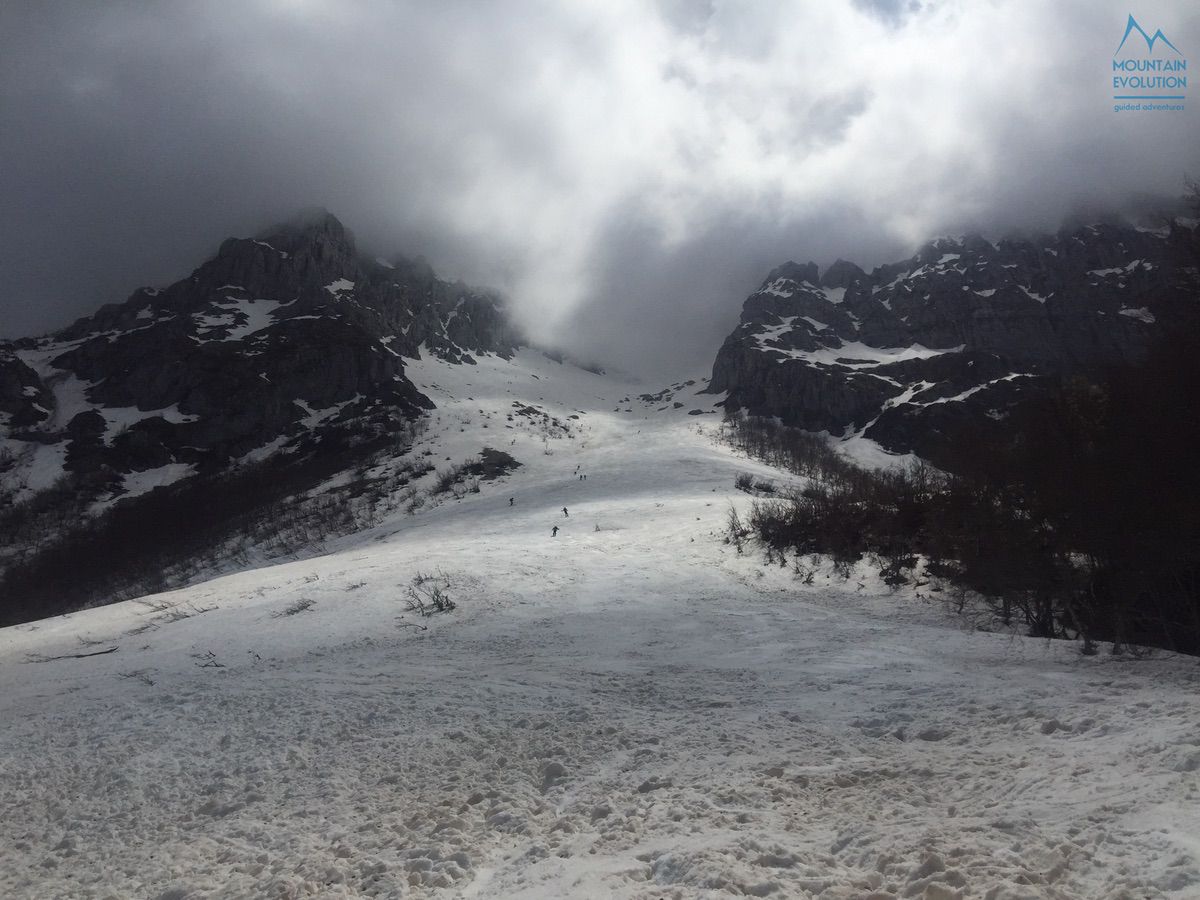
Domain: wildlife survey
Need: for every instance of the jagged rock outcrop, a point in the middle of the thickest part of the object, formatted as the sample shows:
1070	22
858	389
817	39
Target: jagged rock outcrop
24	400
915	351
292	336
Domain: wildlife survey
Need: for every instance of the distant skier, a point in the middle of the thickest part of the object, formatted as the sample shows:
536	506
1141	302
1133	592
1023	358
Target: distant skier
554	531
565	513
512	500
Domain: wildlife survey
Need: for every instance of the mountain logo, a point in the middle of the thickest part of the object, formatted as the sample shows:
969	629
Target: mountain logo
1133	26
1145	82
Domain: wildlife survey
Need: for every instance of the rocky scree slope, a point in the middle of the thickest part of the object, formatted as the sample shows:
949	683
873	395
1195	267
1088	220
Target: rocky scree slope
915	352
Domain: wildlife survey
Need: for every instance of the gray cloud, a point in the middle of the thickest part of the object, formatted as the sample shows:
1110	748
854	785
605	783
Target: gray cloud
626	172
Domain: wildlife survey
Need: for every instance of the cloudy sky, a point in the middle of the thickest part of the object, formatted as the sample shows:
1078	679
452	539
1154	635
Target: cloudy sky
626	171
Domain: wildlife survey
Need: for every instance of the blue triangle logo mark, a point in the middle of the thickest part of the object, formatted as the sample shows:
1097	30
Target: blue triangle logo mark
1133	26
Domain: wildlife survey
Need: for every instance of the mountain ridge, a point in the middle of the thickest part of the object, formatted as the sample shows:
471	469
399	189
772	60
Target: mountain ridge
910	353
285	338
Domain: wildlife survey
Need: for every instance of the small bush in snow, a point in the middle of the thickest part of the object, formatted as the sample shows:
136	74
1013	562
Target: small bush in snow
427	594
736	532
445	479
304	603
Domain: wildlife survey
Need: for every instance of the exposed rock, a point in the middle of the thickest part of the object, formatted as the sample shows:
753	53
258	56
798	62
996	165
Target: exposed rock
842	274
953	337
23	397
279	339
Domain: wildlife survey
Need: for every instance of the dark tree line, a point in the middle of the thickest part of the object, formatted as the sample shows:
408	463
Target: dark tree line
1084	522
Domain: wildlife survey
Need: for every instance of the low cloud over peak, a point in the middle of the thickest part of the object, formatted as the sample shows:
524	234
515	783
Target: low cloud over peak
625	172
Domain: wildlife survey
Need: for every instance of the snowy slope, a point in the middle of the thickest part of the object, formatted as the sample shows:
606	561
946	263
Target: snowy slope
626	710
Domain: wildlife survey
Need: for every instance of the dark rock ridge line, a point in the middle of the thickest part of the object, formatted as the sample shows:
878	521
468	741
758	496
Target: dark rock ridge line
915	352
292	337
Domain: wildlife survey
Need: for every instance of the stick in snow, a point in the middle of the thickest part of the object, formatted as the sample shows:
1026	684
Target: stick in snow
38	658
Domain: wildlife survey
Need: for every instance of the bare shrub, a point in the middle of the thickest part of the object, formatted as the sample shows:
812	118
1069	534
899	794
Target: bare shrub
299	606
428	594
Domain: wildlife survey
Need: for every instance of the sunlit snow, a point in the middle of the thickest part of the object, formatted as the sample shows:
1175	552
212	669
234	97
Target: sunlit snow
628	710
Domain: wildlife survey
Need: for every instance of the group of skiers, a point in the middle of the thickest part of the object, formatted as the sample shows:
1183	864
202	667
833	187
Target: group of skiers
512	501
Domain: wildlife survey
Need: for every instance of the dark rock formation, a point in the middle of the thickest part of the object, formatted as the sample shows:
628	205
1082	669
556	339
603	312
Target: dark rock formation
917	350
284	338
24	400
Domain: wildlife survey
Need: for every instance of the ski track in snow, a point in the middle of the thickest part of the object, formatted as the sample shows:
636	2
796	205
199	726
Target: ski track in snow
627	710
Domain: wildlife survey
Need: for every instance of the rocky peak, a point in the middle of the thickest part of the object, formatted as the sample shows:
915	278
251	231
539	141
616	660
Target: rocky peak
274	338
842	274
959	331
793	271
299	256
315	233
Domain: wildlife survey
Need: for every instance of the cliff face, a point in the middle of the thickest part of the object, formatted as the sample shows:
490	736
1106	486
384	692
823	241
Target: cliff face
954	336
288	338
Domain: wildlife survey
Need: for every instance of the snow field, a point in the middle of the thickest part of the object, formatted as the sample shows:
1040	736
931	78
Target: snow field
627	710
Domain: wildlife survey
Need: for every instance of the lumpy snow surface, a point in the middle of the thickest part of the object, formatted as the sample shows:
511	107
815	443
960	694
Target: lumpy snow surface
629	709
